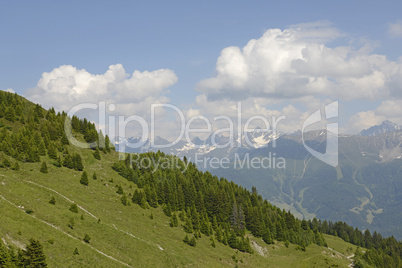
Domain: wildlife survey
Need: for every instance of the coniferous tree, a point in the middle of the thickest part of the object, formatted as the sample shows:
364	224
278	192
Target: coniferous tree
10	114
52	152
52	201
186	239
43	168
124	200
174	221
267	236
213	242
64	139
77	162
96	154
5	258
87	238
33	255
42	148
74	208
192	242
84	178
232	240
119	190
107	144
94	176
16	166
188	226
76	252
71	223
167	210
6	162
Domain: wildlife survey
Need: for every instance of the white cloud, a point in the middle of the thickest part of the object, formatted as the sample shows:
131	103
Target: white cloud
363	120
66	86
387	110
395	29
10	90
256	108
297	62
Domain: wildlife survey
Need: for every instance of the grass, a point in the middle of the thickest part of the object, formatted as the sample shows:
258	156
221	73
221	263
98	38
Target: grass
125	233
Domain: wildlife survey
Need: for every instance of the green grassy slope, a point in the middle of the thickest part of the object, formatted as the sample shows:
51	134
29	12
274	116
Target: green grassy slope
125	233
121	236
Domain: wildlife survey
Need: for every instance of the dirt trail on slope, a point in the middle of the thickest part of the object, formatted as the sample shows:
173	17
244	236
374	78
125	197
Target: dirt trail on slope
69	235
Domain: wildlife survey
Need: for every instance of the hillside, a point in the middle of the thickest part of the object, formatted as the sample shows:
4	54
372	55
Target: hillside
363	190
42	177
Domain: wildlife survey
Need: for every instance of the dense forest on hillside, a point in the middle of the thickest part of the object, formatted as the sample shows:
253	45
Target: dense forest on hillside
199	202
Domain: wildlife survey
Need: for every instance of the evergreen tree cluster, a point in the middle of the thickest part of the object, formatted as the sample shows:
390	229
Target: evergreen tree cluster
382	252
33	132
32	256
211	206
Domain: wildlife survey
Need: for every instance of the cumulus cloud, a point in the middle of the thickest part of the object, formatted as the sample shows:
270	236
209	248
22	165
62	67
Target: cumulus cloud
286	117
298	62
67	86
395	29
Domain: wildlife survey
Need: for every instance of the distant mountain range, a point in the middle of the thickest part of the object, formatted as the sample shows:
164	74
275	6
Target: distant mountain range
216	145
385	127
364	190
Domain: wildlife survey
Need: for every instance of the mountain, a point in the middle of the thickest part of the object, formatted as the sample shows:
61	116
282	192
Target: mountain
76	207
385	127
363	190
214	145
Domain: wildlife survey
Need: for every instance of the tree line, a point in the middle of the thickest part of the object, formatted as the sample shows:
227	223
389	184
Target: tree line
211	206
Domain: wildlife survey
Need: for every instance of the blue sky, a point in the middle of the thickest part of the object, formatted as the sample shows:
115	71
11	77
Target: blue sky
188	38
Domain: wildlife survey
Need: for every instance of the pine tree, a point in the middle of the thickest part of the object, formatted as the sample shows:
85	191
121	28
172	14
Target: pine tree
71	223
174	221
167	210
77	162
74	208
232	240
119	190
84	178
107	144
124	200
52	201
52	152
10	114
76	252
94	176
5	258
42	148
213	242
43	168
33	255
87	238
64	139
188	226
192	242
96	154
16	166
267	236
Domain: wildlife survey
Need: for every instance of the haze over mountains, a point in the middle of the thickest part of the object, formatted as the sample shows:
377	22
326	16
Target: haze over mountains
363	190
